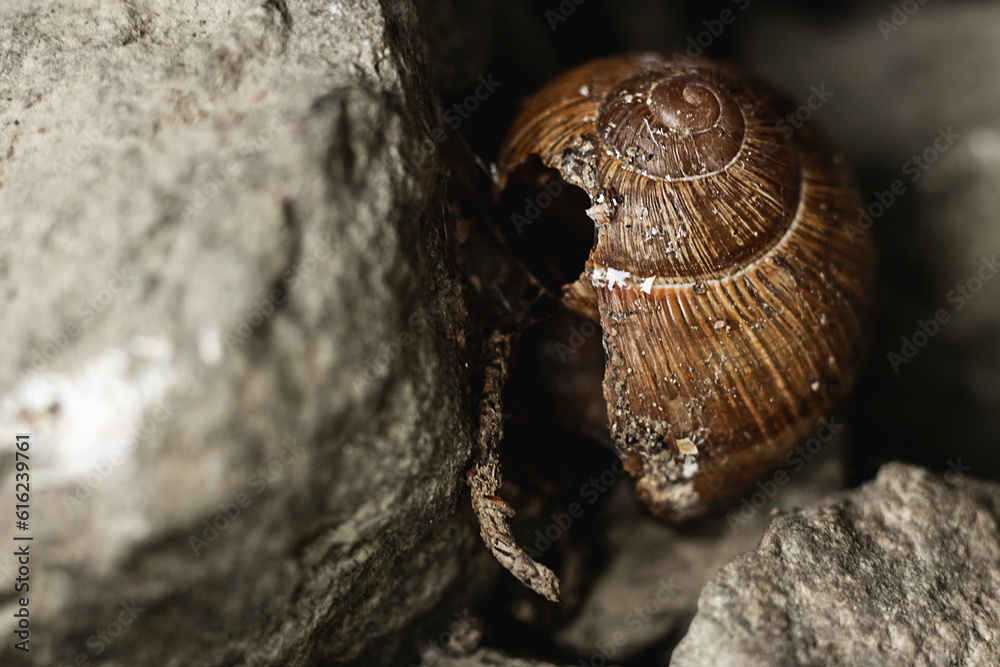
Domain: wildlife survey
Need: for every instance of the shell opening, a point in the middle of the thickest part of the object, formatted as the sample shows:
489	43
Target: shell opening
546	223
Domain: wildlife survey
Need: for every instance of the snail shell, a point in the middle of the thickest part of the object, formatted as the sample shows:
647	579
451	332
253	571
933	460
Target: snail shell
734	311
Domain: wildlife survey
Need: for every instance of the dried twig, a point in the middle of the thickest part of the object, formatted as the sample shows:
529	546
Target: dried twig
485	479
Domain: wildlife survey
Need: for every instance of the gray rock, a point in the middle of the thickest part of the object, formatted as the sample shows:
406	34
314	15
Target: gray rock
904	570
231	332
649	590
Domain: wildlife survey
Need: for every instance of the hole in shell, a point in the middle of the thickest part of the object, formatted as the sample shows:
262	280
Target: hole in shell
544	219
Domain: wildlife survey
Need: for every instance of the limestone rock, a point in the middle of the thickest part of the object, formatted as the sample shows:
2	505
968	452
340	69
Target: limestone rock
231	332
904	570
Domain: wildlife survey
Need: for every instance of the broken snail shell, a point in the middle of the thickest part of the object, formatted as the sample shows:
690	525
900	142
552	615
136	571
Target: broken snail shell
734	310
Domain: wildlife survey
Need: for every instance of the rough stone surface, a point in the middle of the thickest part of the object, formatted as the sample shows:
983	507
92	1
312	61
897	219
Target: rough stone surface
904	570
649	590
230	297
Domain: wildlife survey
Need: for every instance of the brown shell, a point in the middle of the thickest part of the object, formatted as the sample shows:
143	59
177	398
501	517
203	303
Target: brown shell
734	309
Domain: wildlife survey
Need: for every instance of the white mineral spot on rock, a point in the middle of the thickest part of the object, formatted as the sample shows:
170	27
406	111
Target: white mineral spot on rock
79	421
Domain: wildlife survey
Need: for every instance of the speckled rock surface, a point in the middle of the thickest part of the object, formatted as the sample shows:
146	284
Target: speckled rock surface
237	345
904	570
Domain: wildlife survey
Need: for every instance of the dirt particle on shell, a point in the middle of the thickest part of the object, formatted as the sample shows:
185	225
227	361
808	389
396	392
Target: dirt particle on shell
686	447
